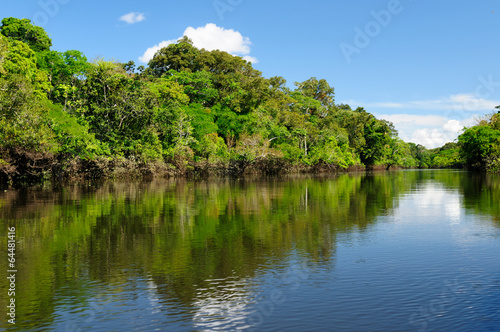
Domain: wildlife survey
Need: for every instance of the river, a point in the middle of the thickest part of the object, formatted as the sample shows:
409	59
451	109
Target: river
413	250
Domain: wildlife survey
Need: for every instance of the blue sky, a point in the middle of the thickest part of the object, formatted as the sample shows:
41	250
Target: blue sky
430	67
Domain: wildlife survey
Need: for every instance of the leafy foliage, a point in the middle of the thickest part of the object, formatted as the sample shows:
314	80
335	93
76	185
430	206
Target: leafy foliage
480	144
192	105
22	30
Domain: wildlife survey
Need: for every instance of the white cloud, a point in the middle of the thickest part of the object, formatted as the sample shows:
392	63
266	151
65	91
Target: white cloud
250	59
472	102
458	102
150	52
431	138
210	37
432	130
452	126
133	17
419	120
429	130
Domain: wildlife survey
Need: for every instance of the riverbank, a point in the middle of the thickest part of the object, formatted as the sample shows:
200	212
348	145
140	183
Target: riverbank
31	170
27	169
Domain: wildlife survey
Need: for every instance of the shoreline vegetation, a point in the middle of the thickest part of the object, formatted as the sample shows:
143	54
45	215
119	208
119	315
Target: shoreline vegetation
190	112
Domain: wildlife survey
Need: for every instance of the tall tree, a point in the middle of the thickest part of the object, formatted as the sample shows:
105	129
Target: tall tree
319	90
179	56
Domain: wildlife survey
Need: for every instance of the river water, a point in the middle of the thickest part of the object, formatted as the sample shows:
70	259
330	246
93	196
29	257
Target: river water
391	251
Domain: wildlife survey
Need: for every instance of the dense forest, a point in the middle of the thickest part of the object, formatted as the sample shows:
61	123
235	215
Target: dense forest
190	111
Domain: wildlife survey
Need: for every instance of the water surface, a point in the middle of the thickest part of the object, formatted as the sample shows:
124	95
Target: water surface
392	251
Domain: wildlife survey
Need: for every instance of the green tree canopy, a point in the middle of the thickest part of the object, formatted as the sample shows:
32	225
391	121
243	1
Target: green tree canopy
178	57
478	143
22	30
317	89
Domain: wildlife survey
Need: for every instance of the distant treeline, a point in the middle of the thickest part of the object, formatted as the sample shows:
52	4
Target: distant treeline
189	111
